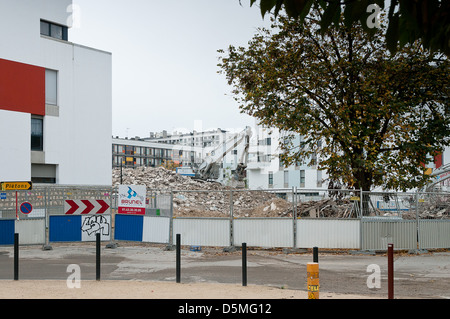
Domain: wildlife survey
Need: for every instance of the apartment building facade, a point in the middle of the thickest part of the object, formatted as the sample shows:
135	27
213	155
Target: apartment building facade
136	152
266	171
55	98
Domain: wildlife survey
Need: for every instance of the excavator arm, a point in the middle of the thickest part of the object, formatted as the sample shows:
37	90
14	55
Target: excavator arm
439	175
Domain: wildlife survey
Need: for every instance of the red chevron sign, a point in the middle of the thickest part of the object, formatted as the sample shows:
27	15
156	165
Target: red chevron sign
85	207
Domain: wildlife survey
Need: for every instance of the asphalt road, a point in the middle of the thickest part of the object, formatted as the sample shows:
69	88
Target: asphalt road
425	275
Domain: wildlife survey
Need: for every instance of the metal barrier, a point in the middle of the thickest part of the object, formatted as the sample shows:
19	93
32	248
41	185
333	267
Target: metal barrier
154	226
299	218
22	212
142	228
78	213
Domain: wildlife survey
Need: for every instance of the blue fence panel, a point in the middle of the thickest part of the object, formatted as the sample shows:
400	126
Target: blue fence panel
128	227
7	232
65	228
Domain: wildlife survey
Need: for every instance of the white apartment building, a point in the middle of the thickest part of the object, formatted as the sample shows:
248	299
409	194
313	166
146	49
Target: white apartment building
55	98
136	152
190	148
265	171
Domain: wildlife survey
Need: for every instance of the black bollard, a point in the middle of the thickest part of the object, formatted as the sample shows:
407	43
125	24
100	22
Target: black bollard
390	271
16	256
178	258
315	254
97	259
244	264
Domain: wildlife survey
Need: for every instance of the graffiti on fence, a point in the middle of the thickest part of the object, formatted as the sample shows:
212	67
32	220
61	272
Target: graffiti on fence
95	224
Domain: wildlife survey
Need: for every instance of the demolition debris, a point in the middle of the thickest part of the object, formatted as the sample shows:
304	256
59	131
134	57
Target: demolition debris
198	198
193	197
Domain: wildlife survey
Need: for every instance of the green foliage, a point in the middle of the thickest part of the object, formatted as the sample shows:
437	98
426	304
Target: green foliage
409	20
371	117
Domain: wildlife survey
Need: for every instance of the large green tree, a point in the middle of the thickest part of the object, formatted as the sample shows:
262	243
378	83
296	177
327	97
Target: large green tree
370	116
409	20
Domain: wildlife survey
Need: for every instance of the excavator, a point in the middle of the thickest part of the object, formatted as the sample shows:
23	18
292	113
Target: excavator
437	176
209	169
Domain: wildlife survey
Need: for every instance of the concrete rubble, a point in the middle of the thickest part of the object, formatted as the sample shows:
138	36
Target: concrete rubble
197	198
192	197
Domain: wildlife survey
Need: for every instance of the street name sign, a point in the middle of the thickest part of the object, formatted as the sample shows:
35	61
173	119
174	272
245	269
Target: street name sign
16	186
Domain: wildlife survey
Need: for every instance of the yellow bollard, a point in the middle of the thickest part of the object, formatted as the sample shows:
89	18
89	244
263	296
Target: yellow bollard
312	271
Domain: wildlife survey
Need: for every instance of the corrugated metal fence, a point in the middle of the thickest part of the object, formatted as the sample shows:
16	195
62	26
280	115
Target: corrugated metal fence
409	221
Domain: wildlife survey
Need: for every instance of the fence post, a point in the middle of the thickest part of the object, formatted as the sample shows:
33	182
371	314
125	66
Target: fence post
361	203
294	218
417	220
361	224
111	229
231	219
171	220
46	245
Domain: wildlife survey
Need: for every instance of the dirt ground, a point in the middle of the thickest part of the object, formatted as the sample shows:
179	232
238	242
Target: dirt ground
54	289
147	271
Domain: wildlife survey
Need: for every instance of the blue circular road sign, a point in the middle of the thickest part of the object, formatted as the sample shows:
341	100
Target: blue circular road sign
26	208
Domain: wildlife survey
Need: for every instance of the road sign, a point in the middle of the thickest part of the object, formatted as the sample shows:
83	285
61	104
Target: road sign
2	195
16	186
84	207
26	208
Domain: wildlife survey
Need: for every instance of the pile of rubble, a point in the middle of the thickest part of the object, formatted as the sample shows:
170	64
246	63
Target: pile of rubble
336	208
219	204
197	198
159	178
192	197
429	211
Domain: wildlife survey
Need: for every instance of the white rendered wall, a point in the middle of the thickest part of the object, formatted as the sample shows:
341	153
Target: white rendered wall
78	140
14	159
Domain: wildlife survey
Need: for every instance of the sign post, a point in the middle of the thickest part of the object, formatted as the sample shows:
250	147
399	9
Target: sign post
16	186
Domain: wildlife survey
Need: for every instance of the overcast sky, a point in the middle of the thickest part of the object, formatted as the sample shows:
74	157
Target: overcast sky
165	60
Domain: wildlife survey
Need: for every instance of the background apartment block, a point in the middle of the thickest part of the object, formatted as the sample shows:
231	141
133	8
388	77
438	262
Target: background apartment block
188	150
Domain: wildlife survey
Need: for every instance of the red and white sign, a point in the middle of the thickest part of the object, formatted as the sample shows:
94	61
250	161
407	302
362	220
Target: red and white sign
84	207
132	199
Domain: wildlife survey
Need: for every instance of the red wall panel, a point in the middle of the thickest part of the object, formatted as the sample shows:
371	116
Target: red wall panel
438	160
22	87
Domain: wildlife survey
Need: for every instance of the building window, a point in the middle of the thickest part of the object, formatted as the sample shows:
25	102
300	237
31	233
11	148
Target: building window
43	173
280	162
54	30
51	87
286	179
302	178
319	178
270	179
37	134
